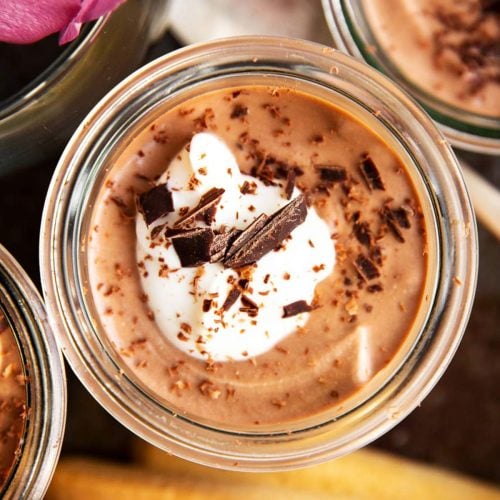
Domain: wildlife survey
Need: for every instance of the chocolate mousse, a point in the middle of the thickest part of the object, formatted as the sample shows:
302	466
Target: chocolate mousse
448	48
13	409
256	256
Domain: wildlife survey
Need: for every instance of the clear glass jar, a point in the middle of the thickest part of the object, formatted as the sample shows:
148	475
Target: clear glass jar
36	122
41	442
363	92
352	34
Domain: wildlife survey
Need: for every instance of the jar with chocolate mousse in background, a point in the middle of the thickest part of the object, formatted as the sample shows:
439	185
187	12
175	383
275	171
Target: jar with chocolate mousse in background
445	53
47	89
32	387
258	253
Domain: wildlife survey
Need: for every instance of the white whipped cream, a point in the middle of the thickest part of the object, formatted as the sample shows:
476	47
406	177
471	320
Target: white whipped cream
176	294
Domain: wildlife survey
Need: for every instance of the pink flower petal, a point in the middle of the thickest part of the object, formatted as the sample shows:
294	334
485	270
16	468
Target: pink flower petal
27	21
89	10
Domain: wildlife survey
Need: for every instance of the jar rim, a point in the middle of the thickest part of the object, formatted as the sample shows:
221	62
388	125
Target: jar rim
60	227
465	130
46	382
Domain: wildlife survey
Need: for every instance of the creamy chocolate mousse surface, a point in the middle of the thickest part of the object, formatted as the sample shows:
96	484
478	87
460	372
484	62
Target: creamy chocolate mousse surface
13	409
449	48
325	167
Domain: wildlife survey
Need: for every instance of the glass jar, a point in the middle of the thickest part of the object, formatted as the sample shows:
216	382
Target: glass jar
352	33
363	92
45	384
36	122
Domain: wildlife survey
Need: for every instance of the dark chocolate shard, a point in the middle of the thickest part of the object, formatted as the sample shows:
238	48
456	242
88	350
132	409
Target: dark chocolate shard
332	173
300	306
371	175
362	233
376	288
222	241
194	246
248	233
207	304
276	229
155	203
290	183
231	298
366	268
207	201
389	217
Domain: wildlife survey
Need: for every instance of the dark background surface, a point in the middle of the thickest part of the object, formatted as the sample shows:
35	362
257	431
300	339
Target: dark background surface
457	425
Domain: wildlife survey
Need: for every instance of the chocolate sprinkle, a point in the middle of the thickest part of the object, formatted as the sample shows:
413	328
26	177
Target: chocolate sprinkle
275	230
155	203
366	268
332	173
207	201
194	246
295	308
371	175
290	183
207	304
231	298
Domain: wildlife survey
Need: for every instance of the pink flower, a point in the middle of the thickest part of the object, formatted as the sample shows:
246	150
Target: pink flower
27	21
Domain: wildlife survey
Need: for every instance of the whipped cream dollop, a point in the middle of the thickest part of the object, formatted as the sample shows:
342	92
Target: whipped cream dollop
187	302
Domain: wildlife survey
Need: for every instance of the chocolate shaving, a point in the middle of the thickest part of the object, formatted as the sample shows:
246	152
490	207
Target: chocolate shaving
363	233
243	283
366	268
275	230
300	306
401	216
231	298
248	188
155	203
290	183
239	111
207	304
248	302
371	175
156	231
393	221
376	288
207	201
194	246
332	173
